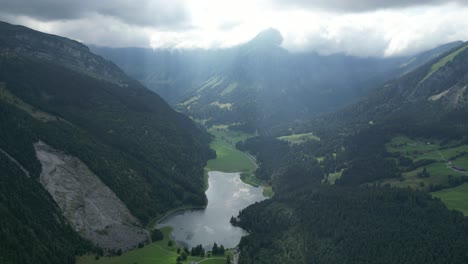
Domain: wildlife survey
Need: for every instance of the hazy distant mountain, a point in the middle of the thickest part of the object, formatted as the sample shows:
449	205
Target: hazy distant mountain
355	219
259	84
111	153
433	93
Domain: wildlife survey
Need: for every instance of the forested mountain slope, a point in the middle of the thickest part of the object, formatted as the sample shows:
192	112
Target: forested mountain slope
56	91
433	93
336	197
352	225
259	84
33	229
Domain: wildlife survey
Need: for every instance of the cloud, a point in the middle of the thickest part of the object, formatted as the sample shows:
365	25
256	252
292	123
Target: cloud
379	33
158	13
366	28
361	5
95	29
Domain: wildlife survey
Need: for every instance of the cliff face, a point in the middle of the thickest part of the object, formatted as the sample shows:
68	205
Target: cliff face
93	210
21	41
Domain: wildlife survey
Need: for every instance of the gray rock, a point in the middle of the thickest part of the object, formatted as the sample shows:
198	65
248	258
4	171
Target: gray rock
91	208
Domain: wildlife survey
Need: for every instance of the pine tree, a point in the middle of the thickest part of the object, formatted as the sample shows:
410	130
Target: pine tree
221	250
215	249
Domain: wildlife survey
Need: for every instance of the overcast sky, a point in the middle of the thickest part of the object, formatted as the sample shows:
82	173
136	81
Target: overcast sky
355	27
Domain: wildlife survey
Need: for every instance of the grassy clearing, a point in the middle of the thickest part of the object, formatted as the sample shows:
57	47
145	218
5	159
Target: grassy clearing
227	106
230	159
299	138
455	198
420	149
211	83
268	191
231	87
250	179
410	147
7	96
190	100
254	181
157	252
332	177
444	61
438	175
461	162
408	62
439	171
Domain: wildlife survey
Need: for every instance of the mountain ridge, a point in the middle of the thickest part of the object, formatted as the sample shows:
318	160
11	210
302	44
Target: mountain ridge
251	80
54	90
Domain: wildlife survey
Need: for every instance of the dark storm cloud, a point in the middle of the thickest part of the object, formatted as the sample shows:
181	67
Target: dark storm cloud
362	5
354	27
153	13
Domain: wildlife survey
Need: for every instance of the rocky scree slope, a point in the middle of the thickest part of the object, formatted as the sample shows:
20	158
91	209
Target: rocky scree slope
55	91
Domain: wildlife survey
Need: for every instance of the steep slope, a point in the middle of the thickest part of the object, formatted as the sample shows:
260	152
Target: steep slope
422	116
434	93
56	91
426	56
33	229
427	106
258	85
91	208
352	225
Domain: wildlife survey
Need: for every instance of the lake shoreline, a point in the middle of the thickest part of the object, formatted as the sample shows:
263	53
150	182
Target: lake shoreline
226	196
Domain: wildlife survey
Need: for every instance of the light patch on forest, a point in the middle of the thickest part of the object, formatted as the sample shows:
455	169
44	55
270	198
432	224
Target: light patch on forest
211	83
8	97
299	138
441	63
222	105
191	100
231	87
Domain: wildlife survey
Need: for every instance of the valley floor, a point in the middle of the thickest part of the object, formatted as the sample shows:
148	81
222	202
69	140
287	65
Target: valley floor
156	252
230	159
438	167
455	198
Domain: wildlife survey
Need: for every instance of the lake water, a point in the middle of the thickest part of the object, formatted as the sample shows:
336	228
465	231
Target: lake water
226	194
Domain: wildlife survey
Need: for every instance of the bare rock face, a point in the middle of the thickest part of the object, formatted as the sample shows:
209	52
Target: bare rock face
92	209
21	41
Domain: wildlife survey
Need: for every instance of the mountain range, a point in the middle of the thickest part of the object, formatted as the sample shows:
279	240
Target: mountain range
259	85
89	156
371	185
111	154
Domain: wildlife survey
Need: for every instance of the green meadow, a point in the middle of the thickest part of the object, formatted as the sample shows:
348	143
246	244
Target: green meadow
439	171
157	252
455	198
332	177
444	61
420	149
299	138
230	159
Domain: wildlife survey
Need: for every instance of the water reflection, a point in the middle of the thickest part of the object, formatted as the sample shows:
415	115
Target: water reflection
226	194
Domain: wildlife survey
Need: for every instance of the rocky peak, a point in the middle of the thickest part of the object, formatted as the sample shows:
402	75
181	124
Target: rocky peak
268	38
19	41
